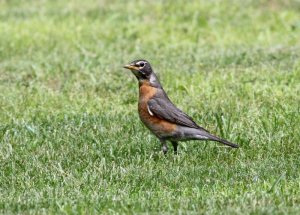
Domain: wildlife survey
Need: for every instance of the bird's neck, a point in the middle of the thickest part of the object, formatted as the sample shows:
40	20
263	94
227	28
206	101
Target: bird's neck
151	81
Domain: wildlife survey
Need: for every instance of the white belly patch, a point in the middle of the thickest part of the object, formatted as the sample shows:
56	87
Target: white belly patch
149	111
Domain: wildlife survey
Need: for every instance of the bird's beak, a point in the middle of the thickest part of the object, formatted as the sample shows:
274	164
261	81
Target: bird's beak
131	67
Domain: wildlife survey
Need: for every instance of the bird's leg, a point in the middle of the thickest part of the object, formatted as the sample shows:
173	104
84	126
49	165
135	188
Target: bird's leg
164	146
175	146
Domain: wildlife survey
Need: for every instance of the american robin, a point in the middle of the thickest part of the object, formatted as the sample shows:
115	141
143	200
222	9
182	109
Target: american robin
161	116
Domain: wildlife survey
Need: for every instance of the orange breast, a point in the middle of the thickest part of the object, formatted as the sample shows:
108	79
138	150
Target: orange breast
158	126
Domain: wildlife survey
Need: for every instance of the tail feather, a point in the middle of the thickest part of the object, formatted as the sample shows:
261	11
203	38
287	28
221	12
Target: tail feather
226	142
217	139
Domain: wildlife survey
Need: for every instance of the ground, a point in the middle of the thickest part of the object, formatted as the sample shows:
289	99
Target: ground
70	138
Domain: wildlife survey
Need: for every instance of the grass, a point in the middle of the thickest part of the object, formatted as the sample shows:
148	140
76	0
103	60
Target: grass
70	138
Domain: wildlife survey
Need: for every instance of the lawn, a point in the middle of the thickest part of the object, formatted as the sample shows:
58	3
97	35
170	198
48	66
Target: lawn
71	141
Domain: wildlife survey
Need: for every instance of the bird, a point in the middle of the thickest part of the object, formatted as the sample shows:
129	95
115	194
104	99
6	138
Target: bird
161	116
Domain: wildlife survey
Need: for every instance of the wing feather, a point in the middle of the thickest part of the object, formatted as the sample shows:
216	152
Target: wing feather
165	109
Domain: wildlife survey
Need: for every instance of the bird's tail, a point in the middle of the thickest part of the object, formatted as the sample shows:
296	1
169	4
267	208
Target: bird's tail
226	142
217	139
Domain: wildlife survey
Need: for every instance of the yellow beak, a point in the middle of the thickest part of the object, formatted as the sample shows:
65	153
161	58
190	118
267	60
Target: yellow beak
131	67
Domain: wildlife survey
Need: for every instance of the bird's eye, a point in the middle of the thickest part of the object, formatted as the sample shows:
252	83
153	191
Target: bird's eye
142	64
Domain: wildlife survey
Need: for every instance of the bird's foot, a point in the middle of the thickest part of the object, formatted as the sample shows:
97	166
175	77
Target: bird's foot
164	148
175	146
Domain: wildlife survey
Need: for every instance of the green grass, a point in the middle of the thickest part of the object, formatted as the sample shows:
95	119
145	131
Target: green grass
70	138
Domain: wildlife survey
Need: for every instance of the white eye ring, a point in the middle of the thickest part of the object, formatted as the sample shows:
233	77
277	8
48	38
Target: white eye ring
141	63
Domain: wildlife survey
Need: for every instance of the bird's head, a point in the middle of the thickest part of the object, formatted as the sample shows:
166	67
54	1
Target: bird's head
141	69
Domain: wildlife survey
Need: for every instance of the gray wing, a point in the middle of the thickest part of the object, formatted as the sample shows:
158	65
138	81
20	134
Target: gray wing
165	109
